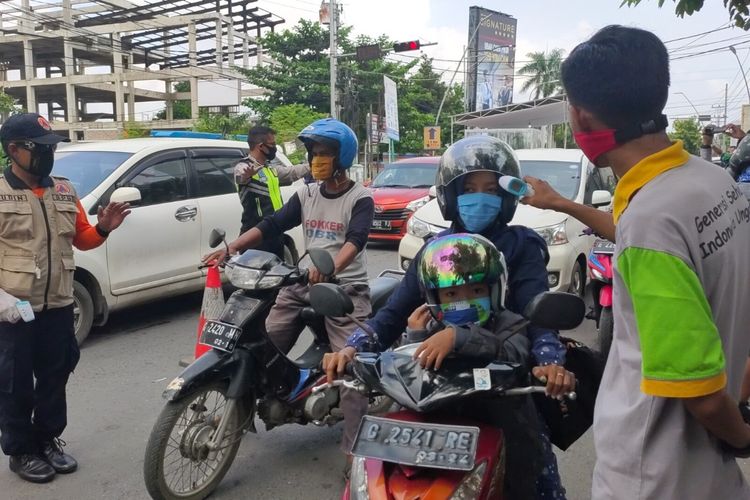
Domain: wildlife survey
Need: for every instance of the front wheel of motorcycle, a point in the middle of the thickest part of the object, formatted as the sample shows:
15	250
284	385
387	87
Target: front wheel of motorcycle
179	463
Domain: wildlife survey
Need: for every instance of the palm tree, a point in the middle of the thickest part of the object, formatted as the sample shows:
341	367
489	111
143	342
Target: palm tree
544	71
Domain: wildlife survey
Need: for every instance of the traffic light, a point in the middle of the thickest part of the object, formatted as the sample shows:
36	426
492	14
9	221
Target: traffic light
406	46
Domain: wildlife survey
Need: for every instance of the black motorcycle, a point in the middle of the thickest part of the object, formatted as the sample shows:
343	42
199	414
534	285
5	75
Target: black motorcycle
214	401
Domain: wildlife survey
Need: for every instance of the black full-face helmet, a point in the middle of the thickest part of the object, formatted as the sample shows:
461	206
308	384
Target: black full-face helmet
473	154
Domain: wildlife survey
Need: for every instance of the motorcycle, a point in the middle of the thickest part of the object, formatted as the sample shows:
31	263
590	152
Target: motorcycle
214	401
427	450
600	276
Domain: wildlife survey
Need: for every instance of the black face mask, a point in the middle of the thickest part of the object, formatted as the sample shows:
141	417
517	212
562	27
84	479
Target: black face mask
42	160
271	152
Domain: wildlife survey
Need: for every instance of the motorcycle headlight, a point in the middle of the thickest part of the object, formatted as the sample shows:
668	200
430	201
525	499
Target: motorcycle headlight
251	279
417	227
358	480
553	235
471	485
418	203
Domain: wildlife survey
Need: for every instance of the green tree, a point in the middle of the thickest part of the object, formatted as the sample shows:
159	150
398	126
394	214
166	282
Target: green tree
544	72
738	9
222	124
563	135
288	121
689	132
181	109
7	106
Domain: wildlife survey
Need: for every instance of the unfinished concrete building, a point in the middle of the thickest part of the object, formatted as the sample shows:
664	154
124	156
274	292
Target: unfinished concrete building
79	62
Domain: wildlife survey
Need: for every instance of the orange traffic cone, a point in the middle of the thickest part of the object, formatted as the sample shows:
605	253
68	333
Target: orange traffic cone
213	304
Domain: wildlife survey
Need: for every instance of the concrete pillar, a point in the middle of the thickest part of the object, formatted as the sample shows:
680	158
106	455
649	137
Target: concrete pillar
23	21
230	45
67	13
170	101
28	74
192	44
194	111
71	110
258	49
219	53
193	62
245	55
131	93
117	70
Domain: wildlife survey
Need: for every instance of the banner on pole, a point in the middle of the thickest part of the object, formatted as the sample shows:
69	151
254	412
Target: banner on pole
391	108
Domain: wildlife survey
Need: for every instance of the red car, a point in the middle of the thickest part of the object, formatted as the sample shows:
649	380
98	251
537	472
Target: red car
399	190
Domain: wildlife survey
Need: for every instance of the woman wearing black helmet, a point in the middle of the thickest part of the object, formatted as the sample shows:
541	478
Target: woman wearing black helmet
470	197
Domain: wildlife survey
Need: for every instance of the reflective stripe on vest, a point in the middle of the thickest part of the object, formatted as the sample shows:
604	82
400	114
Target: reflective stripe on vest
267	176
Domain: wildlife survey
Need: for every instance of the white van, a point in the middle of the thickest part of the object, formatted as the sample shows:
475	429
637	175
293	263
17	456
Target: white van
570	173
186	188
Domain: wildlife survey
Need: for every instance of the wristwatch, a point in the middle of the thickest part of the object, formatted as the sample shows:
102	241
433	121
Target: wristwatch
101	231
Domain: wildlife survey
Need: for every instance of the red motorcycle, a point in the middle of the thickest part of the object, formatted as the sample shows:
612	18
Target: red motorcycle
600	276
428	450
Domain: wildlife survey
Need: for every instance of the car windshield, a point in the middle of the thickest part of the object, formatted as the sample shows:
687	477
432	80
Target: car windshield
87	169
406	175
563	176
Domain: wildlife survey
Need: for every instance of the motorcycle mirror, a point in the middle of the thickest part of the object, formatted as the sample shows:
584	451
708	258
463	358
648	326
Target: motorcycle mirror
216	237
322	261
330	300
556	310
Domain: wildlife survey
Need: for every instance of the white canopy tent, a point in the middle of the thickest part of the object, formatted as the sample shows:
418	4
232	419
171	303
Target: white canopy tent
538	113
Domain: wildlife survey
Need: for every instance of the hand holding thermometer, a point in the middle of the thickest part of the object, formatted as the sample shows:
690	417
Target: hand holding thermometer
515	186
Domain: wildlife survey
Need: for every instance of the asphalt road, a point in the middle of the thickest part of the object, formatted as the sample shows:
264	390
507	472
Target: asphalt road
115	397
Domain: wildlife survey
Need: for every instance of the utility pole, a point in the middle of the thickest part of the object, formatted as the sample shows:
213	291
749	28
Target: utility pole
726	91
333	28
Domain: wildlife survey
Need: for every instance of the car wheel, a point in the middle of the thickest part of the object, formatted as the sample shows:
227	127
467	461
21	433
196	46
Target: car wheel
577	280
83	312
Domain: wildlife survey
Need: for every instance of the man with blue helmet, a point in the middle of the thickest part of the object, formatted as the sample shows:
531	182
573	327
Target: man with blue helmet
336	214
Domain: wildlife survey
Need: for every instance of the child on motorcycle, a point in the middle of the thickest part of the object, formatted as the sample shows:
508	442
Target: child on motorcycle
460	275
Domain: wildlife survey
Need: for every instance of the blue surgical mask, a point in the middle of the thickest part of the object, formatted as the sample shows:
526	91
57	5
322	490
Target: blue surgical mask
478	210
466	312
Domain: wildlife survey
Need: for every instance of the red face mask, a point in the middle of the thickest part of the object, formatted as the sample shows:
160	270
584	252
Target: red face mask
596	143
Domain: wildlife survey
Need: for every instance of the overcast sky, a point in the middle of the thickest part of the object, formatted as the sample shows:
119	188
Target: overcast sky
548	24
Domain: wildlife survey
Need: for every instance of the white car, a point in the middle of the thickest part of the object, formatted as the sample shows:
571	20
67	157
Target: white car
571	174
179	189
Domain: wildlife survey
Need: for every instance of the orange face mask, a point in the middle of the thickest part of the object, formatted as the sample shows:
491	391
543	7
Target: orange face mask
321	167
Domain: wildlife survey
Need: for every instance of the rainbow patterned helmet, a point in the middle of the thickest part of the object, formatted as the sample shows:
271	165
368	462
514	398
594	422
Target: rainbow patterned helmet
462	259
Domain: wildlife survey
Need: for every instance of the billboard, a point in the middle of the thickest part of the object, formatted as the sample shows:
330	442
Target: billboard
491	54
391	108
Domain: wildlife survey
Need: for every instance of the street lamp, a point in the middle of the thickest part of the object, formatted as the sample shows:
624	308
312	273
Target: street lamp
734	51
697	115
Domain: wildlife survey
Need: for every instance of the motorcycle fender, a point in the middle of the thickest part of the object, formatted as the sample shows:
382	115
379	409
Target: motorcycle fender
605	296
210	367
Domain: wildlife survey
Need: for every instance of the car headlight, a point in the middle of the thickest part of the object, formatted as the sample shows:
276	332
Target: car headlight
418	203
553	235
417	227
251	279
358	480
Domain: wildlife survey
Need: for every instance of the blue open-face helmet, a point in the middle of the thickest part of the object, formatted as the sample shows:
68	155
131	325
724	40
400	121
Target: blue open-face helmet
337	135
